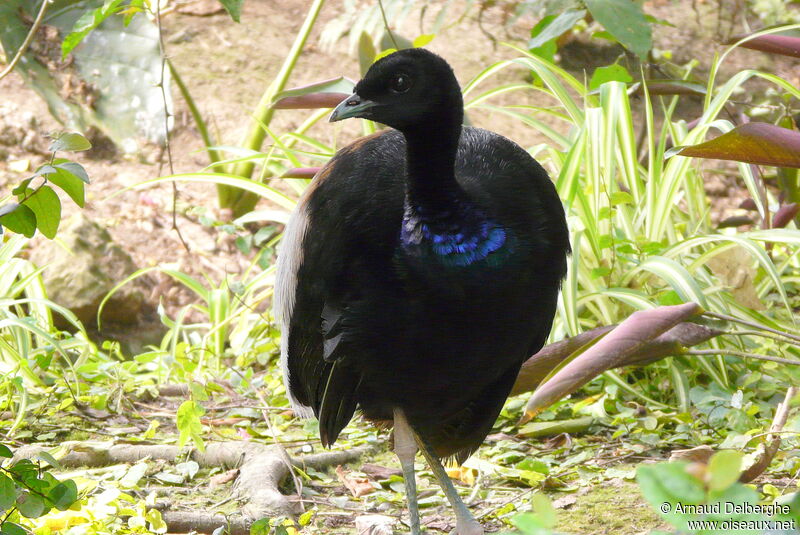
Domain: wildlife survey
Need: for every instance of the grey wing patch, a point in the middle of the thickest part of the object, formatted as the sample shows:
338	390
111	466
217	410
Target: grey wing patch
290	257
332	333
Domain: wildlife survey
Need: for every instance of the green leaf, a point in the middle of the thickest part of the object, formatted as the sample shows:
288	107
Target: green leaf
64	495
233	7
5	451
20	219
544	509
723	469
626	22
86	23
260	527
10	528
385	53
8	493
47	207
49	459
621	197
70	141
188	422
423	40
366	52
30	505
74	169
552	27
758	143
609	73
65	178
665	485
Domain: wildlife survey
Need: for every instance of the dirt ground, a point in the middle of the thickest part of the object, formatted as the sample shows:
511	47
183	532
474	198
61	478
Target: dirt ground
227	66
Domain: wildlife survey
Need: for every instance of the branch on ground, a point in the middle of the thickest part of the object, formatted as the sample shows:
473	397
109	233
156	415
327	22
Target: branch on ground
262	469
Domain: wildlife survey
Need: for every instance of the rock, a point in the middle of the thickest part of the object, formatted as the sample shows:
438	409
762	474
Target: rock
80	274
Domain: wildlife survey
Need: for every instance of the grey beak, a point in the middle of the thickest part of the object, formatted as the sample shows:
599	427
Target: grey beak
352	106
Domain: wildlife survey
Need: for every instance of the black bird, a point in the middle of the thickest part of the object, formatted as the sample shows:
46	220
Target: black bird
419	270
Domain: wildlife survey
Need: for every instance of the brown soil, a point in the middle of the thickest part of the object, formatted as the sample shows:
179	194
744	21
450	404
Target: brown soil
227	66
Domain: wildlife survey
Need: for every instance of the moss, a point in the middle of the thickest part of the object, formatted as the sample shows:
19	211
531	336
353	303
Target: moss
609	509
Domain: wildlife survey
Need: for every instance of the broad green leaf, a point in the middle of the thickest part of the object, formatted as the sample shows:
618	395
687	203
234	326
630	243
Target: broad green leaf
665	485
75	169
72	184
544	509
64	495
49	459
423	40
5	451
366	52
8	492
626	22
30	505
47	207
757	143
552	27
86	23
609	73
233	7
10	528
21	220
385	53
70	141
723	469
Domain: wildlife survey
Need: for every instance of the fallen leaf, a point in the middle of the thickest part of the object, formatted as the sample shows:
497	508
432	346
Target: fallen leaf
223	478
358	486
462	473
700	454
565	501
380	473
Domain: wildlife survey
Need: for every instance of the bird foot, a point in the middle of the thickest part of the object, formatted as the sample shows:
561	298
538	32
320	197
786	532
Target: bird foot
467	528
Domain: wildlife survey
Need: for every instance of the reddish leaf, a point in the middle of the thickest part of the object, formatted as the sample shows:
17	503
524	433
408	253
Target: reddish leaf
301	172
735	221
748	204
326	94
756	143
785	214
311	101
776	44
618	348
672	87
537	367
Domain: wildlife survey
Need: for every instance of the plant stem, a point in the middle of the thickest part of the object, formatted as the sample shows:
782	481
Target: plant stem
202	127
28	38
742	354
242	202
751	324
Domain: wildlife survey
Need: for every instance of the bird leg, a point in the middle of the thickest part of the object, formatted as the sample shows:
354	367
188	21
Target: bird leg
465	523
405	448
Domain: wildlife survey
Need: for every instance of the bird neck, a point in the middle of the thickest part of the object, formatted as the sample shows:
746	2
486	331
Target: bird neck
431	185
440	219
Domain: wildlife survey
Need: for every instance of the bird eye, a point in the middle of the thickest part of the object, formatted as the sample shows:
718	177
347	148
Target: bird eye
400	83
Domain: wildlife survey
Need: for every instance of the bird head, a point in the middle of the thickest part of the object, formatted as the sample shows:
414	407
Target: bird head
405	90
